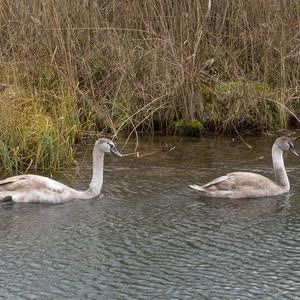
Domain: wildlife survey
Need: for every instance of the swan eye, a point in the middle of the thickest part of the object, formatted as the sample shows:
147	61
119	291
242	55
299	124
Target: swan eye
111	146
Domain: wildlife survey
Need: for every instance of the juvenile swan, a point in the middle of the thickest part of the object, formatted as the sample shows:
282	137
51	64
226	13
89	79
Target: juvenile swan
251	185
39	189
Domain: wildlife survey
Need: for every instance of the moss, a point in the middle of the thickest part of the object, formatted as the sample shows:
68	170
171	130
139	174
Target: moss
260	86
189	127
230	86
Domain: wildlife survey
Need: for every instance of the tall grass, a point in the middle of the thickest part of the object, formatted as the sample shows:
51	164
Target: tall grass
76	67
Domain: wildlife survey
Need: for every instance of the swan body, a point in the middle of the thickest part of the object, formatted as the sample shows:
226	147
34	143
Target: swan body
40	189
251	185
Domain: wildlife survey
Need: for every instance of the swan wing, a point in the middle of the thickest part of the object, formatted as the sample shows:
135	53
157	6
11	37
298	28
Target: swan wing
14	183
30	182
238	180
209	184
216	181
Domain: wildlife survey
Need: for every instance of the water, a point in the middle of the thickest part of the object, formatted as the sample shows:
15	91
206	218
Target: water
151	237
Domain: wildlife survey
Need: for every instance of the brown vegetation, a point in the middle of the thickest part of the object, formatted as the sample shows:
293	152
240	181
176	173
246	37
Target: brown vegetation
86	66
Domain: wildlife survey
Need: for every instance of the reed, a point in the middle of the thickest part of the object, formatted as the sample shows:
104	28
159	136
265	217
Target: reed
79	67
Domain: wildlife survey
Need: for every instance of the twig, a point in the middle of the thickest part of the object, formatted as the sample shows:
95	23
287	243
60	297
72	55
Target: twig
240	136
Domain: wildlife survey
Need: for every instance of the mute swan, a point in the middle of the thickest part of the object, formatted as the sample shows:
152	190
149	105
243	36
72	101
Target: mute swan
251	185
39	189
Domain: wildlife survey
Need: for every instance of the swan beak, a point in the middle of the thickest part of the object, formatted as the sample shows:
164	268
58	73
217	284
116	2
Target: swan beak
292	150
114	150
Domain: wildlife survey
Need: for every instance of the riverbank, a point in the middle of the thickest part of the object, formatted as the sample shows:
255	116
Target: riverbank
72	70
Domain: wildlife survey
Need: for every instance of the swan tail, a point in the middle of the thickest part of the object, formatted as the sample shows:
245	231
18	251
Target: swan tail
197	187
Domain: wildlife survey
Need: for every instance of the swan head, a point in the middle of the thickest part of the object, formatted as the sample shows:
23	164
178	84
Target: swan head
284	143
107	146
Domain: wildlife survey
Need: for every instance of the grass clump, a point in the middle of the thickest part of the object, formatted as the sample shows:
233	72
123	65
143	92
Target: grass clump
244	106
32	136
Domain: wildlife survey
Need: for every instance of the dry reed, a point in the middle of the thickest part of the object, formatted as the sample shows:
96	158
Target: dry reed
91	65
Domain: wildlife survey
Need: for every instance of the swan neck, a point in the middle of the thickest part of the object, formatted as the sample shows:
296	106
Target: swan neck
279	168
97	179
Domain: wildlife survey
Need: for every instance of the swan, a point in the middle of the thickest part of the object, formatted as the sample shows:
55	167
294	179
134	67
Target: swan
40	189
251	185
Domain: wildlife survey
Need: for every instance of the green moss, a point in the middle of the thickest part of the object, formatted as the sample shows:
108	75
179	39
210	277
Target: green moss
230	86
189	127
260	86
238	86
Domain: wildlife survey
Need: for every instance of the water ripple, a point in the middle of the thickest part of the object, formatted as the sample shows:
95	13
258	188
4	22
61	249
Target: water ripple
151	237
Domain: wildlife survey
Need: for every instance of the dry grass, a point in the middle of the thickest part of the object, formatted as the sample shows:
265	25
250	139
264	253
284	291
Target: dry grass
130	65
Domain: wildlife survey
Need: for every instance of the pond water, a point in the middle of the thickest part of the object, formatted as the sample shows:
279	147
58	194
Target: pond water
151	237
